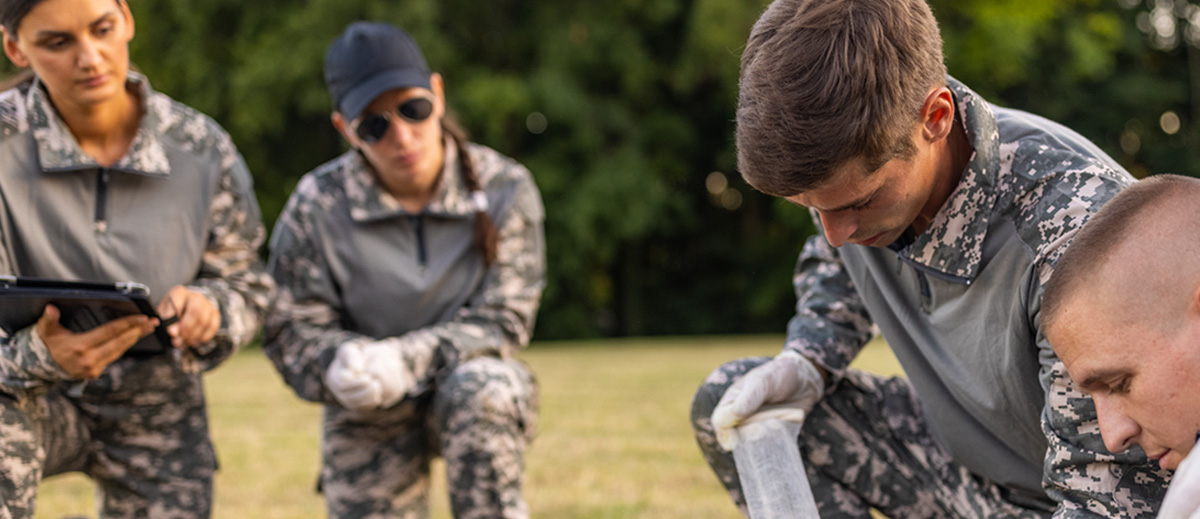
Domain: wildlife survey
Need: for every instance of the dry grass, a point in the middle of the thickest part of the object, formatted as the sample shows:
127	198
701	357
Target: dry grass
614	438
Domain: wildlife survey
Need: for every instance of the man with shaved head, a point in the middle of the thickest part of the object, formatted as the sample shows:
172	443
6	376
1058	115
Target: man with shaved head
1122	311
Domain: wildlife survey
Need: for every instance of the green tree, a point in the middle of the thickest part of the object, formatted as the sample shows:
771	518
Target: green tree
624	112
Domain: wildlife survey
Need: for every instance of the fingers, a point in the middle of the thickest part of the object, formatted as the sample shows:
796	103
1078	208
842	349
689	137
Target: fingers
85	355
114	342
199	320
743	398
728	438
349	381
48	324
383	364
173	301
751	393
364	396
724	419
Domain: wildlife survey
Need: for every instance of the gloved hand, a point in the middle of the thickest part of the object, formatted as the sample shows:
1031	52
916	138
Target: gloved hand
1183	496
785	385
368	375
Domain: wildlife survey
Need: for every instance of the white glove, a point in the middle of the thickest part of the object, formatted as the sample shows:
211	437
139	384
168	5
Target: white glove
1183	496
368	375
787	386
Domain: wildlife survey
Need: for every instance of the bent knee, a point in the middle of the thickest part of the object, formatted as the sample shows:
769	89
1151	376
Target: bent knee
487	388
715	385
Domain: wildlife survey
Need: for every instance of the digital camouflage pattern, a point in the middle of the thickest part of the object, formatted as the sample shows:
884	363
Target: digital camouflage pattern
343	245
479	418
1034	184
866	446
140	430
353	266
229	271
143	438
1082	468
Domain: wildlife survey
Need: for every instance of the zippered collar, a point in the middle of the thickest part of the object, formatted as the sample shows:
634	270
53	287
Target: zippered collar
952	246
59	151
368	201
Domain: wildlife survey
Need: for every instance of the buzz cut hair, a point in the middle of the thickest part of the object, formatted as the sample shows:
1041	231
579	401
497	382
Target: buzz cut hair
1114	225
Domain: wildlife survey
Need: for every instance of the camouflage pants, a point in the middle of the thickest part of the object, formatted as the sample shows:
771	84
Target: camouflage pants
866	445
143	439
479	418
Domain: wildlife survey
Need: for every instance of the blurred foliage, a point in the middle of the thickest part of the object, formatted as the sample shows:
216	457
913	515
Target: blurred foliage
624	112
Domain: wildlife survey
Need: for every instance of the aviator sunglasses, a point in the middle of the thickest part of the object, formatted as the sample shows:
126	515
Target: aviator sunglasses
372	127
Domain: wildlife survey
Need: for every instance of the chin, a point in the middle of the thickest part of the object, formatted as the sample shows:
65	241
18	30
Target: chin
1171	461
100	95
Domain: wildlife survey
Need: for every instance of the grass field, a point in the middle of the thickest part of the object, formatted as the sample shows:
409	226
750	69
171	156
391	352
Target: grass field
614	439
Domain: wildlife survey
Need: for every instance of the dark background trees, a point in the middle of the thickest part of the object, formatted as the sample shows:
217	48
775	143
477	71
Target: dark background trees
623	111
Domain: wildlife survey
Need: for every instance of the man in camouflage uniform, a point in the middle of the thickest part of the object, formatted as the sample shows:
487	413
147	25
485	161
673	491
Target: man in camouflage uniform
177	210
393	315
941	217
1123	313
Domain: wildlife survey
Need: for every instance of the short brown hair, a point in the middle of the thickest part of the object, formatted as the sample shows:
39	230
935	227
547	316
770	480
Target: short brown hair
827	81
1113	225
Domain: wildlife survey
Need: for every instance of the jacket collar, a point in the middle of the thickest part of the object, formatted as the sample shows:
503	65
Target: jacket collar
59	151
368	201
953	243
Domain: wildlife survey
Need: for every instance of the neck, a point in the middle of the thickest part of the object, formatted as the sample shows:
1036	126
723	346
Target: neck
953	156
412	191
413	196
104	131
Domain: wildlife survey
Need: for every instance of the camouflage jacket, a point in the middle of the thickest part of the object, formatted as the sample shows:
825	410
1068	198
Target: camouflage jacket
177	209
959	305
352	265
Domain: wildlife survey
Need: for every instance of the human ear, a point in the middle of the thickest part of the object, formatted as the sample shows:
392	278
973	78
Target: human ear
937	114
13	51
343	127
128	16
1194	307
435	84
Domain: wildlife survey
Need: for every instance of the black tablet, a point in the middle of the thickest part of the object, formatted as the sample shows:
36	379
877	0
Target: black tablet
84	305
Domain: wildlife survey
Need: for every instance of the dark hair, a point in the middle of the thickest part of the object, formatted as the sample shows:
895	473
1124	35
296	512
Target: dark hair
486	240
11	14
13	11
1113	225
827	81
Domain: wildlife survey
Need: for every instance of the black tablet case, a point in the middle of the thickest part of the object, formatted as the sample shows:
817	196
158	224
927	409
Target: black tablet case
84	305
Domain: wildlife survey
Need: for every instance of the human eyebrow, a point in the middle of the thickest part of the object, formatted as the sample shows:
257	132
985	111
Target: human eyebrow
106	17
46	35
43	36
1099	379
858	202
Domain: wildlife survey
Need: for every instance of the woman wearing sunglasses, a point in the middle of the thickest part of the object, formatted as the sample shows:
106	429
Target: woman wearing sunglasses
410	269
103	179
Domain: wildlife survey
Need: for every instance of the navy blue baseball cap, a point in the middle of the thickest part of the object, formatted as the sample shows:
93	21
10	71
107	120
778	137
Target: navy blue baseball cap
368	59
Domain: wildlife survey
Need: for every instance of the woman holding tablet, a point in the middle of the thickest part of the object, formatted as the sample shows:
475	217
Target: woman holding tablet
103	179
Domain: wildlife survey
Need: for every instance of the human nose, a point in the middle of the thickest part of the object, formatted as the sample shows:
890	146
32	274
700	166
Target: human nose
1118	430
401	131
89	54
838	228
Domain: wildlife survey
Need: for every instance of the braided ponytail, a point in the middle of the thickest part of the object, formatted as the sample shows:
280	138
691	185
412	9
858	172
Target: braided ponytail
486	240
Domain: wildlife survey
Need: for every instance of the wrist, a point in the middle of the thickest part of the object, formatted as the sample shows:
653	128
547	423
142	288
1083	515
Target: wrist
809	371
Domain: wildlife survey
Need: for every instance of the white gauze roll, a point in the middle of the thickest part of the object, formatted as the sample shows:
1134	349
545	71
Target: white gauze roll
771	470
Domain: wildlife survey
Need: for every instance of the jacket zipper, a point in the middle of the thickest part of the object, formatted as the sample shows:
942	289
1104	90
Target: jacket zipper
101	200
926	295
923	275
418	222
